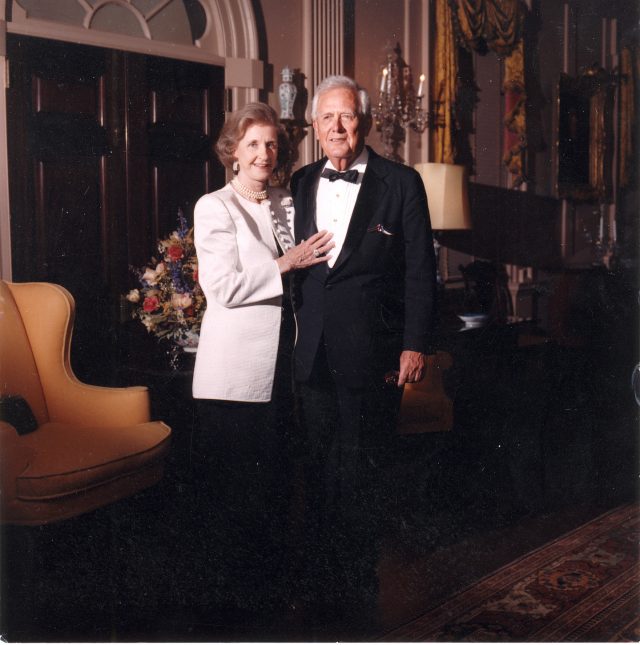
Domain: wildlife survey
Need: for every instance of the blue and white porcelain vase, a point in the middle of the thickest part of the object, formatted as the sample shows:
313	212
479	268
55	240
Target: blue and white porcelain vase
287	94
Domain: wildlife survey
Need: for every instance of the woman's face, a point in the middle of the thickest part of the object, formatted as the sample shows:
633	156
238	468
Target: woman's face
257	154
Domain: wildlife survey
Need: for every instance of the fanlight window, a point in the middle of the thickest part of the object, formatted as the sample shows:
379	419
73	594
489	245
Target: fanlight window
175	21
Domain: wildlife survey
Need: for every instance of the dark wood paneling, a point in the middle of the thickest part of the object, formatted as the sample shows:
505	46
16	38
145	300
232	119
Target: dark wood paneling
104	148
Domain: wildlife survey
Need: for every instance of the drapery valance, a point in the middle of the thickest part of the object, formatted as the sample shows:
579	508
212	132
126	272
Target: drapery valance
496	24
477	25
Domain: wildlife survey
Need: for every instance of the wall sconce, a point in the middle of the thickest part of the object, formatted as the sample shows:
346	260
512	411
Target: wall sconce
448	200
399	105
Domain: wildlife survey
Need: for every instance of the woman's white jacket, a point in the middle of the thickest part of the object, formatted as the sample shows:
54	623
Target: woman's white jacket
236	248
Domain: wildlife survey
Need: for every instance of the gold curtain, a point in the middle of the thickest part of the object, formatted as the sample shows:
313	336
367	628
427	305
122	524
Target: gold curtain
515	119
443	86
497	24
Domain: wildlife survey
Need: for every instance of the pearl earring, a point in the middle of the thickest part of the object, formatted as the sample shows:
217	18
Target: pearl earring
235	167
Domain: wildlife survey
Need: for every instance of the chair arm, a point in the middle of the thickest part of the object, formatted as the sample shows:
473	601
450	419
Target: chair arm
71	401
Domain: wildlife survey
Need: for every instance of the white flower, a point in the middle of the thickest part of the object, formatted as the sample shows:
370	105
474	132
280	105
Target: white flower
149	324
151	276
181	300
133	295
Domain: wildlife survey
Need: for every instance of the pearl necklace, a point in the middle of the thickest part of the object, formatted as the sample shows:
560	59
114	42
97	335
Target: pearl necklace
256	195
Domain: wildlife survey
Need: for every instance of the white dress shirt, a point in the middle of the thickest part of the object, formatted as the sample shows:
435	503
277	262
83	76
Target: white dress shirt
335	201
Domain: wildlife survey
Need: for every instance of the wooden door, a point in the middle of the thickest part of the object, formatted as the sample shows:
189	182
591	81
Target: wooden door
104	148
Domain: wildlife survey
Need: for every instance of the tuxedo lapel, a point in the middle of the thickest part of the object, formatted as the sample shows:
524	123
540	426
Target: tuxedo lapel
370	195
307	219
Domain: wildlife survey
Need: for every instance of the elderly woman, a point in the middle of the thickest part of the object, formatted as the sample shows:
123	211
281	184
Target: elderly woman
244	243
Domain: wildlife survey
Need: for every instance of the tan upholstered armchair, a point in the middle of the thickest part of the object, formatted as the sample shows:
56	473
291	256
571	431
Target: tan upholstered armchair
65	447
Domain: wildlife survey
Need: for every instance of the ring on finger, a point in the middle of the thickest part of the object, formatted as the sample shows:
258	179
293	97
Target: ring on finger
316	253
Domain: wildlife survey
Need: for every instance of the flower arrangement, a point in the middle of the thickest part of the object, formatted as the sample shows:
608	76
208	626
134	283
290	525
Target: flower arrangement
170	302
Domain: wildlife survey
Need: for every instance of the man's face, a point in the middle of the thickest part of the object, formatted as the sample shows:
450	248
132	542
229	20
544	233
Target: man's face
338	127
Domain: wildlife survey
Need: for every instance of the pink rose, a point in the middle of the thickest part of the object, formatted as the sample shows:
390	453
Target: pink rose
151	303
175	252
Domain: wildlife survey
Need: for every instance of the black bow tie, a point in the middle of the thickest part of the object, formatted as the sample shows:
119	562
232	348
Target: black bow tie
347	175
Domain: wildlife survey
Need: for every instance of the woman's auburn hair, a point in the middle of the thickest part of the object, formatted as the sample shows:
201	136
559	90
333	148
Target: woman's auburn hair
236	126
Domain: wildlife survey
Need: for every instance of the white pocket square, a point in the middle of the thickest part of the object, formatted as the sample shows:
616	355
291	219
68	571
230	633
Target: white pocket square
378	228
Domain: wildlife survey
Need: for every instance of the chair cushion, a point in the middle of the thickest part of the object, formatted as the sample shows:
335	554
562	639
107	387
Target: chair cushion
70	459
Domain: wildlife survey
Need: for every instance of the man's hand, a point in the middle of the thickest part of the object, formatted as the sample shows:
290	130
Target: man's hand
412	367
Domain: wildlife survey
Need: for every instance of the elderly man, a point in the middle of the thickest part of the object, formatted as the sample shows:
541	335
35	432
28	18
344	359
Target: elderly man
364	324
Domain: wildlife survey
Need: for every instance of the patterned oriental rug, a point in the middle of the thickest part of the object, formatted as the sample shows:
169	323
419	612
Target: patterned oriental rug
583	586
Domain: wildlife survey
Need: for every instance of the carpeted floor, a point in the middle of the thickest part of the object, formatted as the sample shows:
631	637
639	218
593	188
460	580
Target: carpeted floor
583	586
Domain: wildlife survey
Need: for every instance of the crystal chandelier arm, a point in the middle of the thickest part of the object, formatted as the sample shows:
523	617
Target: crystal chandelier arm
399	106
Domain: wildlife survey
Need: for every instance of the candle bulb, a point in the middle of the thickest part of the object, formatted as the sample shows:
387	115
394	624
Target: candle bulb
420	86
614	230
383	82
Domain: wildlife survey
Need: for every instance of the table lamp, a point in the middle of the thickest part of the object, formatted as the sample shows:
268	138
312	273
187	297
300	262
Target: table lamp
448	199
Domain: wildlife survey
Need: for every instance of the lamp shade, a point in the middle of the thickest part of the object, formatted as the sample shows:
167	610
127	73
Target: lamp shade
446	186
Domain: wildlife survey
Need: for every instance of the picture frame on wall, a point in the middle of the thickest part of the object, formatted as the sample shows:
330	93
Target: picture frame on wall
585	135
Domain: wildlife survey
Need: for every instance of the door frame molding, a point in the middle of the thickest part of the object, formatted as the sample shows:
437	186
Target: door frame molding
5	206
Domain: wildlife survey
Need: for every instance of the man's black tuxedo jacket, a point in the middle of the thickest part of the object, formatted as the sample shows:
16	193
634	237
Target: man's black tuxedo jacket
379	297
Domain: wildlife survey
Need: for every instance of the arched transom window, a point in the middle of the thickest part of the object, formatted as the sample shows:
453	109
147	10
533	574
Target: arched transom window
177	21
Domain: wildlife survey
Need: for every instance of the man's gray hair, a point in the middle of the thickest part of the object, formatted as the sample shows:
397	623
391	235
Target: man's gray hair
337	82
